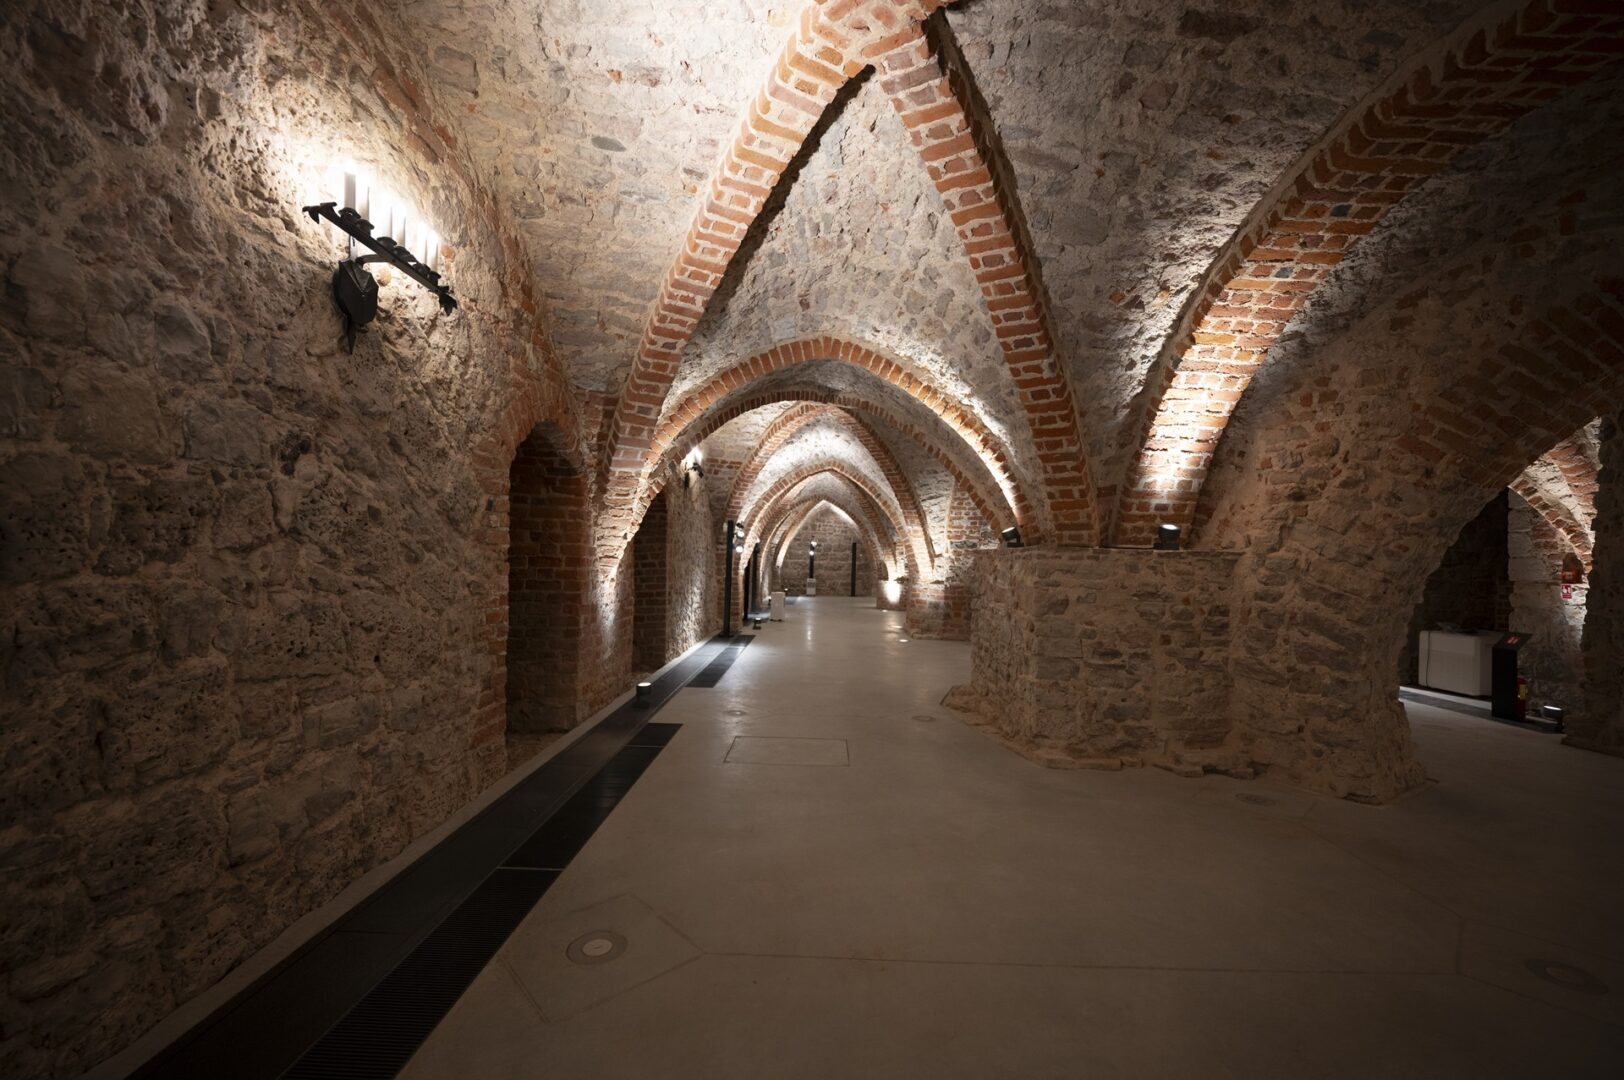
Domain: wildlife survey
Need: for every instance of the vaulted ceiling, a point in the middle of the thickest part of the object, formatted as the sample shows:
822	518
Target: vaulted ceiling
1127	143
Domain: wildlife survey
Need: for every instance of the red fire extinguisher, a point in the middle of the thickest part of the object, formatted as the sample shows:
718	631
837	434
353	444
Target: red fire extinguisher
1522	697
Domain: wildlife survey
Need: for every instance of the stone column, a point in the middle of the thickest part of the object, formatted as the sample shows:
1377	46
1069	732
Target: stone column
1599	725
1100	658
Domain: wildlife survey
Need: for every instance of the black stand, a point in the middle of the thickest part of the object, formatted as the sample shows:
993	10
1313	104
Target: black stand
1503	701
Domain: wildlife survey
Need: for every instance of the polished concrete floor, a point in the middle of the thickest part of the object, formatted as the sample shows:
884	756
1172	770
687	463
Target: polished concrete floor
827	875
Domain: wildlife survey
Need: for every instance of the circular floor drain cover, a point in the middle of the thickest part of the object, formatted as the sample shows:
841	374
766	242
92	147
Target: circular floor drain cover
923	719
1255	800
1566	975
596	947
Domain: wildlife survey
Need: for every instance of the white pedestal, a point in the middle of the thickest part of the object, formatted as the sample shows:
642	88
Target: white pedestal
811	587
777	613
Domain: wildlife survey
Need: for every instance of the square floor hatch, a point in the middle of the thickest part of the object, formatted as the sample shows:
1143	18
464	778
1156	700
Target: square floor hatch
768	750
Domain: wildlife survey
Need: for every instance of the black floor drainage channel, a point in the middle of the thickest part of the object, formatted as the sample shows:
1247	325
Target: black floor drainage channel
426	932
383	1031
714	670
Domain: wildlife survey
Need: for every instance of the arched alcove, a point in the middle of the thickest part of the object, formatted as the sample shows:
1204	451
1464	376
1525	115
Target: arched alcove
547	563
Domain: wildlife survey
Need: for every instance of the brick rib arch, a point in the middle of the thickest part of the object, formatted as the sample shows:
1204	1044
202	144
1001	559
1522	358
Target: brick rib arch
777	433
785	486
785	427
736	380
1501	66
954	135
790	520
539	402
789	524
1556	516
834	41
980	488
1316	586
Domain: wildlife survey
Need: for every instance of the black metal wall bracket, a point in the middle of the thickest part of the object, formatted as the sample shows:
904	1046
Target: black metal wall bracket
353	287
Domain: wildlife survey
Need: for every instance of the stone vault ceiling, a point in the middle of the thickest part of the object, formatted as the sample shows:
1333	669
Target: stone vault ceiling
1139	134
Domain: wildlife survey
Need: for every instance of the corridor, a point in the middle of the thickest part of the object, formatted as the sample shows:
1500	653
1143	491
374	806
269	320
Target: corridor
828	874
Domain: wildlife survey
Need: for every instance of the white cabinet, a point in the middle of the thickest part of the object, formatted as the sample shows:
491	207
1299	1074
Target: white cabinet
1457	663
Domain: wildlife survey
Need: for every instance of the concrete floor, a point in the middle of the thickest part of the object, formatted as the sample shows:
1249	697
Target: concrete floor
827	875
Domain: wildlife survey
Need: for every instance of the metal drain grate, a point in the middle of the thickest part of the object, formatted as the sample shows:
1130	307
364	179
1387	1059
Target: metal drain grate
553	845
713	672
380	1034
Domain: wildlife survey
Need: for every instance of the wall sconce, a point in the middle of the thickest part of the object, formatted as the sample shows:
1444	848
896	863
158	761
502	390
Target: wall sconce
354	289
1012	537
1167	538
695	465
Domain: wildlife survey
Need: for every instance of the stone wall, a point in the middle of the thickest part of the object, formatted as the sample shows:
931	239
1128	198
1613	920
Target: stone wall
693	583
244	574
1600	724
1543	606
1103	657
947	613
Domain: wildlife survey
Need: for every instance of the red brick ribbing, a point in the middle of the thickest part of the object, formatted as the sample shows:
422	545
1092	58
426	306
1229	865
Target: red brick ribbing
1467	90
954	145
763	506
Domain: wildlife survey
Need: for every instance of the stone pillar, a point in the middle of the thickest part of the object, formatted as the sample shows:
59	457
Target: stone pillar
1599	724
1103	657
1543	606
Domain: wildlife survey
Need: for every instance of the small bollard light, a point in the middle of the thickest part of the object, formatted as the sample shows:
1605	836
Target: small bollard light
1554	714
1167	538
645	691
756	625
1012	537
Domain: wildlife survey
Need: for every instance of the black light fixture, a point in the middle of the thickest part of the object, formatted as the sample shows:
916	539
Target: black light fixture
1167	538
1012	537
644	692
697	465
355	290
1554	714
